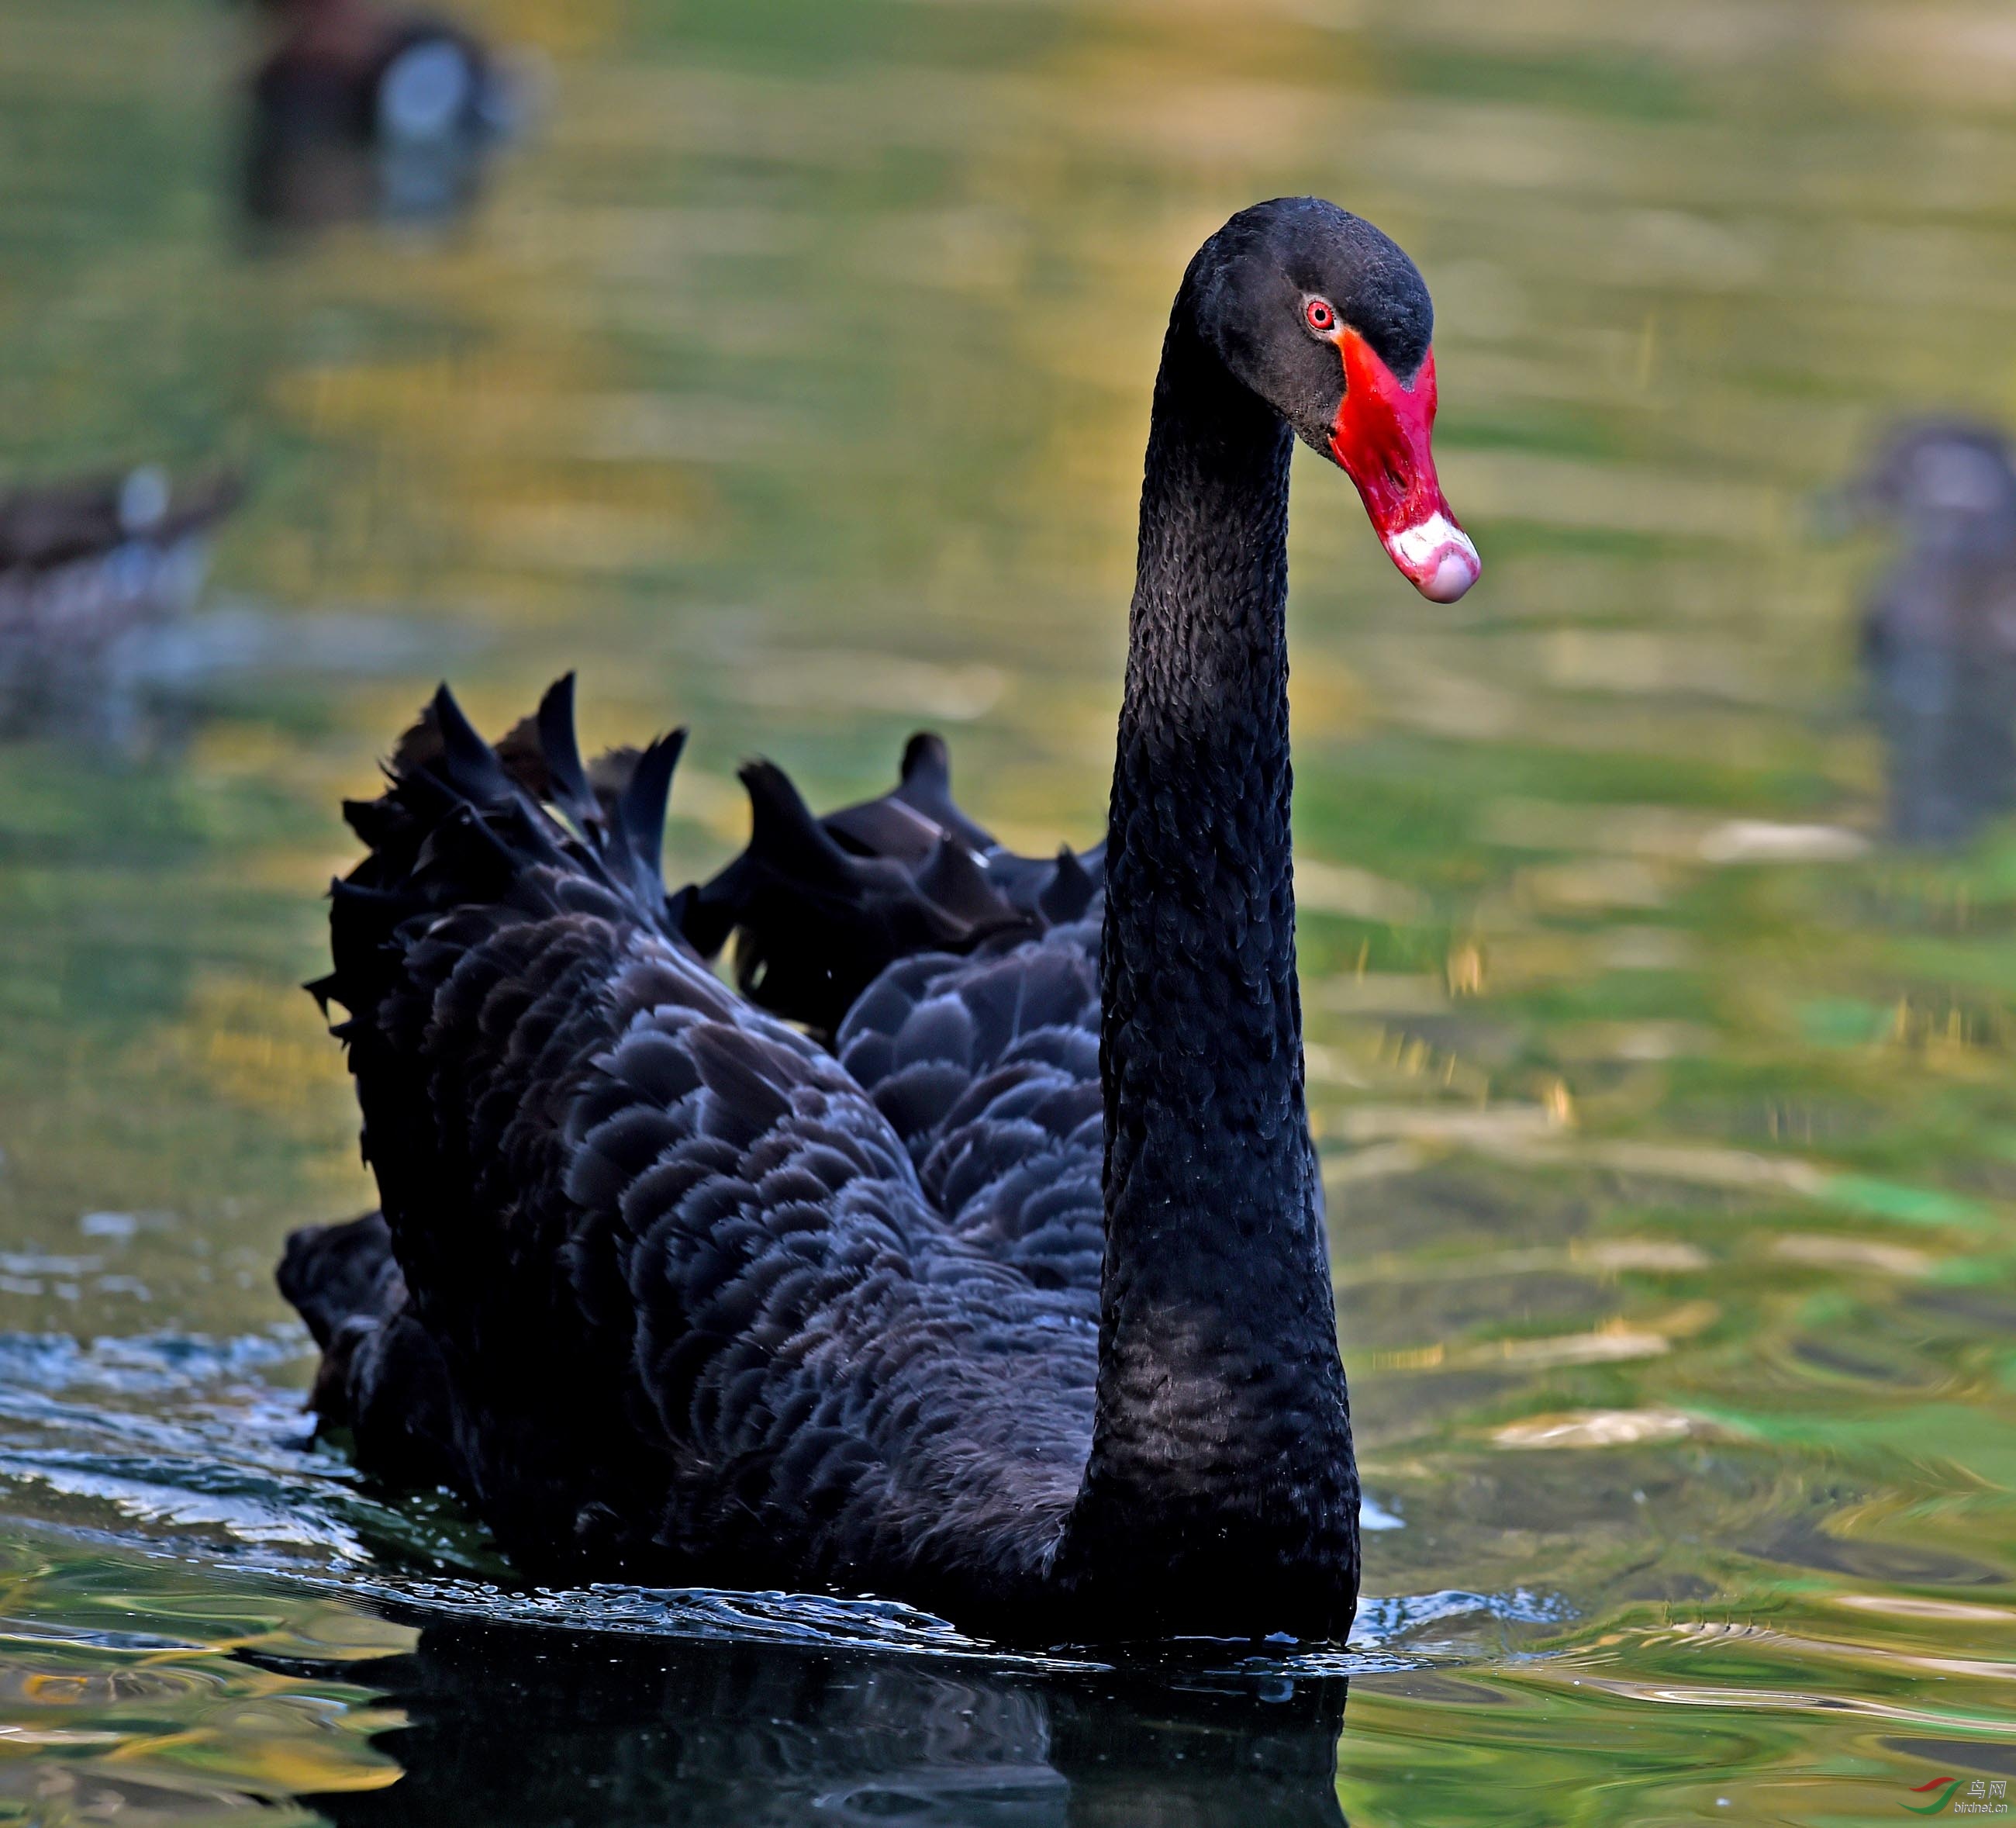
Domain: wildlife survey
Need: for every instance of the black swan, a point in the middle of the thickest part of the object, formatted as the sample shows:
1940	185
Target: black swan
1015	1301
1938	631
358	111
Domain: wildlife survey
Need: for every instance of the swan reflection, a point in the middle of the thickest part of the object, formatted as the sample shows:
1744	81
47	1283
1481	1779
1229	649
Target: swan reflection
540	1728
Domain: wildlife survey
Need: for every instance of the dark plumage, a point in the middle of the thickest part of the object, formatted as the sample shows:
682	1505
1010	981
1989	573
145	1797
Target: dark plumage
988	1071
1938	638
380	1374
820	907
1014	1303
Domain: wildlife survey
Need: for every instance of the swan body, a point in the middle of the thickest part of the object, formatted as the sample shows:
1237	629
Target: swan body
994	1277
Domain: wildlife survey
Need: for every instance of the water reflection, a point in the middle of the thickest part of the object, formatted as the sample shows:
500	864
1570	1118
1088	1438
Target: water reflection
134	1690
1939	630
542	1728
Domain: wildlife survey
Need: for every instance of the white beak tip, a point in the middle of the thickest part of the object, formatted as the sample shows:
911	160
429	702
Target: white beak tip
1454	572
1437	558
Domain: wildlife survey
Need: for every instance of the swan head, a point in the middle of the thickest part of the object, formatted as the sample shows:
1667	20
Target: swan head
1329	322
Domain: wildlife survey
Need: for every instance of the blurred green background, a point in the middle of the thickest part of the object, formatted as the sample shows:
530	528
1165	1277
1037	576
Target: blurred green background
791	381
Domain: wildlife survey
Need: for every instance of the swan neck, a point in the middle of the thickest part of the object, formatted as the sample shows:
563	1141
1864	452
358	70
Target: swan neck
1221	1437
1201	1043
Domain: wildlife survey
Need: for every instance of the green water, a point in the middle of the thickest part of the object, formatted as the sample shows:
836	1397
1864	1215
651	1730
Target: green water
792	382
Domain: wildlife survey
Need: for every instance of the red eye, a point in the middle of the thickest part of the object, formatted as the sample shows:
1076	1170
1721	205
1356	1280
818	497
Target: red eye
1319	315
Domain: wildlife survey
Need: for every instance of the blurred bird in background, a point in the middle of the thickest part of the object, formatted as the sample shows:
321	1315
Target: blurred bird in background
356	112
93	573
1938	631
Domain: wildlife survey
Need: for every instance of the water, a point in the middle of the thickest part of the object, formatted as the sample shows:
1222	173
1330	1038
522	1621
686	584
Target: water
792	380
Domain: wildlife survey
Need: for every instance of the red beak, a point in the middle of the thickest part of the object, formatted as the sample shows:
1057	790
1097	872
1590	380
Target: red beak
1381	438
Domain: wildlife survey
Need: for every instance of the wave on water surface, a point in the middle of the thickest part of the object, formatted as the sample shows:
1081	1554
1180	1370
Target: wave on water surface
194	1445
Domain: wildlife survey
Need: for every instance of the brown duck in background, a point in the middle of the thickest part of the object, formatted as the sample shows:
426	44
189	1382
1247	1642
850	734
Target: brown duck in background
356	112
1938	631
90	571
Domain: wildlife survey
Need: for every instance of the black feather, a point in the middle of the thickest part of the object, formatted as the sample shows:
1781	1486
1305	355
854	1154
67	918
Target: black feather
640	809
568	778
469	764
819	906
